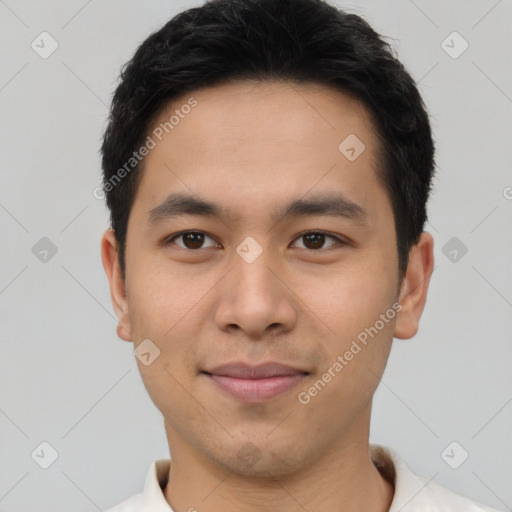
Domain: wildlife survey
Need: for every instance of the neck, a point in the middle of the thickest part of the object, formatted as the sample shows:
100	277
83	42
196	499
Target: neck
342	478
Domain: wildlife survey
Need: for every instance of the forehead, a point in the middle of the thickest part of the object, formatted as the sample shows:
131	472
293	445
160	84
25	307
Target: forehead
263	107
243	141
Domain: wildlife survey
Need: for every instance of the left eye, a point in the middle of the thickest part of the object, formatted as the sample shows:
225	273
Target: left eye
194	240
317	238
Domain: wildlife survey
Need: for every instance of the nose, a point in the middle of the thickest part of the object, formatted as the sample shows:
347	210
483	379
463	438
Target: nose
256	298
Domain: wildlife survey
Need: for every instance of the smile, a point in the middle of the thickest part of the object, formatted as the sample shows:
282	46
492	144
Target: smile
256	390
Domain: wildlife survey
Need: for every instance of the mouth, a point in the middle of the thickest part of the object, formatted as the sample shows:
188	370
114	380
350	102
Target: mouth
254	384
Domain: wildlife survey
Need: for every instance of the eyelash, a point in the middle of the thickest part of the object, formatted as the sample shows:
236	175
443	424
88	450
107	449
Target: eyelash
339	241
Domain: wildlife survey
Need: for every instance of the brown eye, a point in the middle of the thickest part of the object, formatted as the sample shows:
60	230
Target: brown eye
191	239
194	240
315	240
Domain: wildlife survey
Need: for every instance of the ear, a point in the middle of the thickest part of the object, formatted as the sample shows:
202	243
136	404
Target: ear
413	293
110	260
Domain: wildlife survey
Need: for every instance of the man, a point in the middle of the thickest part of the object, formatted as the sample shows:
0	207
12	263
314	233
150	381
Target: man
267	166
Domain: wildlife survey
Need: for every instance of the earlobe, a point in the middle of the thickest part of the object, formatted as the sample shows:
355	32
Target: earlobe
413	293
110	260
123	333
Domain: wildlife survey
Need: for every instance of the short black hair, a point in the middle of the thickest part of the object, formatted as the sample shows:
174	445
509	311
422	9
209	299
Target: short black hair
304	41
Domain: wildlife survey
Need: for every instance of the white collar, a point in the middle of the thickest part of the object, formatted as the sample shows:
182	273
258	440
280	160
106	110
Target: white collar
412	493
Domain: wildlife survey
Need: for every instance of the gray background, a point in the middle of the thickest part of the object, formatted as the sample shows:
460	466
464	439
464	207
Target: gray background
65	377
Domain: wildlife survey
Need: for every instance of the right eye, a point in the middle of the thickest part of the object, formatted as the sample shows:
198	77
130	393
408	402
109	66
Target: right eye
192	240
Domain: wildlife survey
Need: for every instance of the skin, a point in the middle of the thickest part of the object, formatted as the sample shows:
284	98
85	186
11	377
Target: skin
252	147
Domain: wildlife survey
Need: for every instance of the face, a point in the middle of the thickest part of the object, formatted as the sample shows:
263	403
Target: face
248	279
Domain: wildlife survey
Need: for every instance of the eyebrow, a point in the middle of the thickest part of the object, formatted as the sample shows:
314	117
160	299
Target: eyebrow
328	204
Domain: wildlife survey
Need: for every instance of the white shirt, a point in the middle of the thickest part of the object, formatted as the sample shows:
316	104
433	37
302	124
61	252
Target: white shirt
412	493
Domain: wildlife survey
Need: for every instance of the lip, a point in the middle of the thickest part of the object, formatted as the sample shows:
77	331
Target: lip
256	390
255	383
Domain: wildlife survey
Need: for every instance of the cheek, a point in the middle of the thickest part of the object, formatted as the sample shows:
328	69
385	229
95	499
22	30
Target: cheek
160	296
353	299
358	309
168	307
357	352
